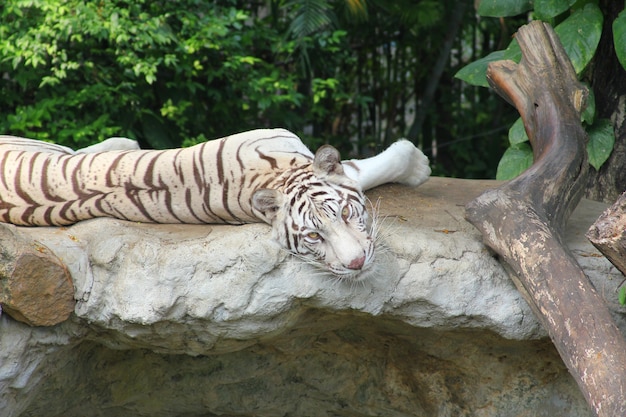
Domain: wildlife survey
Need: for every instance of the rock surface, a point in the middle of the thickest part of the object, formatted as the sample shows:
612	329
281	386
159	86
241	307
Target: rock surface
181	320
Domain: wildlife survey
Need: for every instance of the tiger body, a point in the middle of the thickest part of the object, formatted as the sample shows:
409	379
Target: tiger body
314	203
187	185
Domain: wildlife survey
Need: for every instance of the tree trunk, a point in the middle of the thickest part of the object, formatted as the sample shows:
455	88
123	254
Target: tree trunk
608	234
523	219
454	24
35	285
608	80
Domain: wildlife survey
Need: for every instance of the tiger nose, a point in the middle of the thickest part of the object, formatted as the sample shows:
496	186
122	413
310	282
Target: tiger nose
357	263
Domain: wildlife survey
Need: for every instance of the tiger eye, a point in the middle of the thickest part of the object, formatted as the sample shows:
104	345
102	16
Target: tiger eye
345	212
313	235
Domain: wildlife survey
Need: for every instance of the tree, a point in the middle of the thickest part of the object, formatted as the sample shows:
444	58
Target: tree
608	79
164	73
592	34
359	77
523	219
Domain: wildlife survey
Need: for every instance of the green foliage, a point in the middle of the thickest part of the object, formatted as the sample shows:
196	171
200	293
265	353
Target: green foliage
517	133
579	29
580	35
352	73
500	8
601	141
516	159
476	72
619	37
547	9
163	73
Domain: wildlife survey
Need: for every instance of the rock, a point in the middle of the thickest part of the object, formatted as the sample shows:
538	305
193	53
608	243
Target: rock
183	320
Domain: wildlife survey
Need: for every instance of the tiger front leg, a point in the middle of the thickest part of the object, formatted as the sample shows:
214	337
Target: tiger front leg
402	163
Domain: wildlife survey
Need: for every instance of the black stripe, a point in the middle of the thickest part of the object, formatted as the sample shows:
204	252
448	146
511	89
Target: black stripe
148	178
225	204
207	206
63	214
44	184
65	161
269	159
177	164
47	216
112	168
189	204
77	174
290	244
219	163
3	166
132	193
31	165
199	174
26	214
18	184
168	203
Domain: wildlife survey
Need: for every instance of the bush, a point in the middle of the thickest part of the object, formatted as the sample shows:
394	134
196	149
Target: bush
165	73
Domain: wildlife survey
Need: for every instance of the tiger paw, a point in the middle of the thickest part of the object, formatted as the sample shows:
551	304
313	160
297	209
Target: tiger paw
412	163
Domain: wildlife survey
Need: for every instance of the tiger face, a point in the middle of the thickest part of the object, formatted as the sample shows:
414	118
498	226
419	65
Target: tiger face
320	216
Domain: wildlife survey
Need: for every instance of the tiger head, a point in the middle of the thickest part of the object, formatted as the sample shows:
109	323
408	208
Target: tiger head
320	216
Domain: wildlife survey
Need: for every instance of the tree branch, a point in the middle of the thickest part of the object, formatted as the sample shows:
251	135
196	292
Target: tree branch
35	285
523	219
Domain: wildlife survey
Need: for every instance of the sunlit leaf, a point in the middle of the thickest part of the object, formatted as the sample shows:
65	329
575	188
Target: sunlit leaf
601	141
501	8
622	296
580	35
516	159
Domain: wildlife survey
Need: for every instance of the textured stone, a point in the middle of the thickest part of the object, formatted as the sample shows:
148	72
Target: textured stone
181	320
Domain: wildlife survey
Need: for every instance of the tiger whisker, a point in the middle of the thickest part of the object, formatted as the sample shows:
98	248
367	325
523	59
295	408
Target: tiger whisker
382	227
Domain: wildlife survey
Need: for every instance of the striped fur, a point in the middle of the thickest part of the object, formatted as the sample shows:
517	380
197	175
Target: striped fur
207	183
316	211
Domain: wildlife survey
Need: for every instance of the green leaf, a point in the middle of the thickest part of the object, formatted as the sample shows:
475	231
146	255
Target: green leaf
619	37
475	72
312	15
601	141
501	8
546	9
622	296
580	35
516	159
517	133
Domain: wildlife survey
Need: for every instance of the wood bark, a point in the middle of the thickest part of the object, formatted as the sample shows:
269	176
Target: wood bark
608	233
523	220
35	285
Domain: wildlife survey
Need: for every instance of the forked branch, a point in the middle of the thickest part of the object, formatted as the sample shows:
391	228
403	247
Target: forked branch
523	220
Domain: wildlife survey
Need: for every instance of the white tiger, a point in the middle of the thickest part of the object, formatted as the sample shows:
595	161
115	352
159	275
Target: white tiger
314	203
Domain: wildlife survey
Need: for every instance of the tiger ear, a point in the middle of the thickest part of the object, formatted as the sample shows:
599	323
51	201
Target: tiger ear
267	202
327	161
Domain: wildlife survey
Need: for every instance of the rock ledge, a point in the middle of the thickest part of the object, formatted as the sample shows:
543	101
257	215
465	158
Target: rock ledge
185	320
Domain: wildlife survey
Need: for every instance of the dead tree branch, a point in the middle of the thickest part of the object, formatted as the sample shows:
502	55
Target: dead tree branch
523	219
